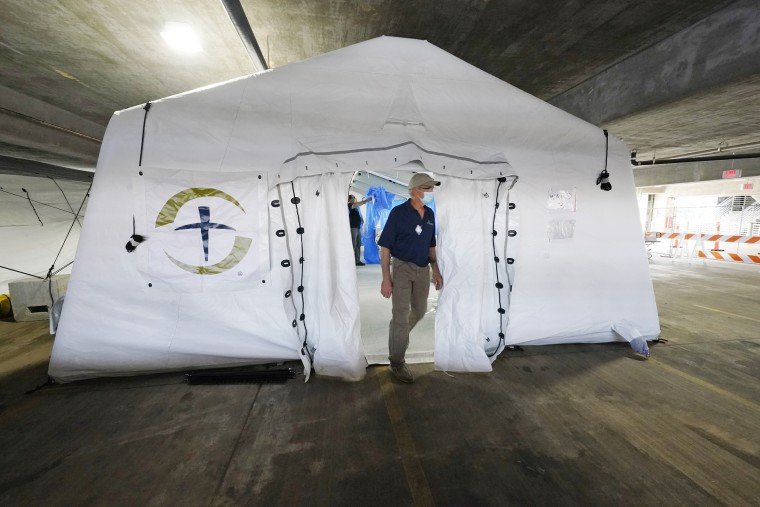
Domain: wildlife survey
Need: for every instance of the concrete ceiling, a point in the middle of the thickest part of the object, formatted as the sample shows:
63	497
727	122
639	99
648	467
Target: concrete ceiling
668	76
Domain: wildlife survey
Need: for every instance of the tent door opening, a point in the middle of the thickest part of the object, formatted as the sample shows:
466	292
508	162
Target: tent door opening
477	265
375	310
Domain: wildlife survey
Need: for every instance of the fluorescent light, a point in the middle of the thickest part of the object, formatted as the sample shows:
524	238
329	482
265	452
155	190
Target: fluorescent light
181	37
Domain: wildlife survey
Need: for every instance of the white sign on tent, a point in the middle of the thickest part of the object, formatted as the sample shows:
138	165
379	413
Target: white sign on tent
205	231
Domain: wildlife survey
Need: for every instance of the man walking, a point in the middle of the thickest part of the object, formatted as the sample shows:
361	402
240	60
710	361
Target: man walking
407	245
355	221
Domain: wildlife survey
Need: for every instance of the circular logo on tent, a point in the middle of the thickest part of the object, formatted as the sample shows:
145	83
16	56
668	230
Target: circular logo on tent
205	224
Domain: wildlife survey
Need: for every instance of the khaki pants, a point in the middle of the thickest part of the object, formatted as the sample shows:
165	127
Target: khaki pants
411	286
356	240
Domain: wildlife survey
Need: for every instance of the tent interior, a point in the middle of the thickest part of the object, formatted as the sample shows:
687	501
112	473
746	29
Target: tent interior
239	191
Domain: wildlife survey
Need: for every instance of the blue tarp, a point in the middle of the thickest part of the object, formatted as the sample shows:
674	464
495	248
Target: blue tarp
376	214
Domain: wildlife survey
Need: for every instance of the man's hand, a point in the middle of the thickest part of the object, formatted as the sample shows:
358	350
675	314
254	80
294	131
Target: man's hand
386	288
437	279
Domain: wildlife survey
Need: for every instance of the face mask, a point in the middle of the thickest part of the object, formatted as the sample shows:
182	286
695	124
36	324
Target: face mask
427	197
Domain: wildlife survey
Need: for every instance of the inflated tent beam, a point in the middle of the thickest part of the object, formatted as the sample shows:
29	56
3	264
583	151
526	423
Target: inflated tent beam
252	376
243	26
691	159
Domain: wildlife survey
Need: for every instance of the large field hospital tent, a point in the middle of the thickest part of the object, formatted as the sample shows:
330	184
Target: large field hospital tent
239	191
39	226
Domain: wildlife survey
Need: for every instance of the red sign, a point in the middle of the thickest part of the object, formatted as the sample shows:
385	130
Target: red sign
732	173
748	186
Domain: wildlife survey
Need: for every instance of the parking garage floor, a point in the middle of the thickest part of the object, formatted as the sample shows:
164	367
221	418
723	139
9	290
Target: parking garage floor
552	425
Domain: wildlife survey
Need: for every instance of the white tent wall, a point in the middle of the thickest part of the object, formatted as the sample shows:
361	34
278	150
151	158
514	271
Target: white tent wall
26	244
575	290
306	127
116	323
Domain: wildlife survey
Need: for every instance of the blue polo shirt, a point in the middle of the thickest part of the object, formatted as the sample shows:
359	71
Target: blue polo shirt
408	236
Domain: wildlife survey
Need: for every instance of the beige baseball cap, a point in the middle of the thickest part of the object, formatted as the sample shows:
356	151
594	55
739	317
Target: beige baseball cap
421	180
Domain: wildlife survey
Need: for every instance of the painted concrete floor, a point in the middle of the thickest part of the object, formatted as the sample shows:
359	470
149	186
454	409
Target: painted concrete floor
554	425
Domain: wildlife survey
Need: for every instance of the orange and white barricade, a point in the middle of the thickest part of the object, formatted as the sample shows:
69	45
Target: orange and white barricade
701	239
723	256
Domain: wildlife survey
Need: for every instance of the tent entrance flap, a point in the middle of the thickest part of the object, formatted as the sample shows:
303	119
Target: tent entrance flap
317	266
477	245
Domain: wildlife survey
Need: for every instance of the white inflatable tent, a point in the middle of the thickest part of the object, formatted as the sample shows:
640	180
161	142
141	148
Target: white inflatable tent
240	188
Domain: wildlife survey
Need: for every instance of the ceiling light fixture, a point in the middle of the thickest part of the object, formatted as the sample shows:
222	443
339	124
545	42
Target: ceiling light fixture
181	37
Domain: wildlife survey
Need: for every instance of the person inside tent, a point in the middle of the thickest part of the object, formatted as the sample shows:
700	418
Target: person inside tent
355	221
408	243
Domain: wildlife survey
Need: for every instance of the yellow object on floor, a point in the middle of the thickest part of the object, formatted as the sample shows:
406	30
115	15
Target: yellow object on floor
5	305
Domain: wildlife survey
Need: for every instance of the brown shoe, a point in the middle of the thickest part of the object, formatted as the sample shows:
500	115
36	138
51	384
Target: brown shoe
402	373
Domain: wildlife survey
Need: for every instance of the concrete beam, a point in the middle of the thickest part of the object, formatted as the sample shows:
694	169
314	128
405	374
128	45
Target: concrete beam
720	188
665	174
10	165
32	125
722	48
29	106
45	143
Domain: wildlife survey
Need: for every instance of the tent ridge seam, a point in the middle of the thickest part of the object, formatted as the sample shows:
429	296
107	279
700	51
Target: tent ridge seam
384	148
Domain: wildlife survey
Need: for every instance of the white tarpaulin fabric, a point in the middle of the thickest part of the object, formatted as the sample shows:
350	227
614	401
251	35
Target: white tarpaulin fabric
207	231
467	341
37	226
568	270
324	292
